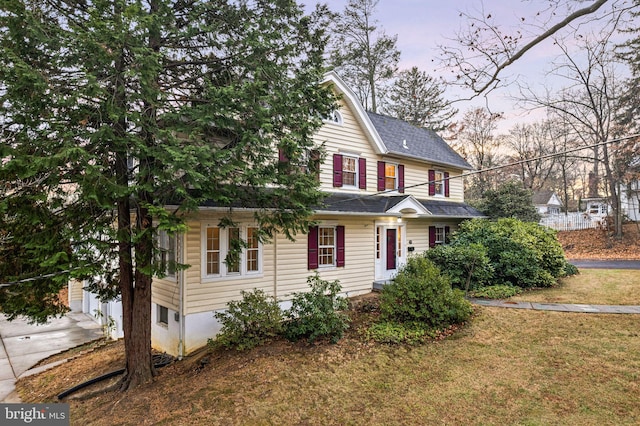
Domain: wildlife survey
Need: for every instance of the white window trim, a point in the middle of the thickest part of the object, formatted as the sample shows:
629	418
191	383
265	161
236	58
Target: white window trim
444	235
334	118
224	249
397	178
357	171
162	234
441	182
335	247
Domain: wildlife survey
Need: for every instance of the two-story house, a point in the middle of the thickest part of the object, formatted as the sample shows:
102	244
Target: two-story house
392	190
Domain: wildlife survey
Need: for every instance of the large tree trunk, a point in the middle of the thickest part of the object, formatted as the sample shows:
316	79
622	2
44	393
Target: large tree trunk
136	300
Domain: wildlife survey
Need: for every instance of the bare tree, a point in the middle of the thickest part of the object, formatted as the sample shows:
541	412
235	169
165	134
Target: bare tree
533	143
587	104
364	57
476	141
483	50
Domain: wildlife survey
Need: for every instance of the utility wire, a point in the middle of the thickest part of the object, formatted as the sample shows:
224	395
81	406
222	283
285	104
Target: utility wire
475	172
39	277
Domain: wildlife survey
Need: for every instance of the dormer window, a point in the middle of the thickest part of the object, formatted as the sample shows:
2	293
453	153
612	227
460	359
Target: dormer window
334	117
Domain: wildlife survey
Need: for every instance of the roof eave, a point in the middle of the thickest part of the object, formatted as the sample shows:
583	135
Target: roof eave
428	160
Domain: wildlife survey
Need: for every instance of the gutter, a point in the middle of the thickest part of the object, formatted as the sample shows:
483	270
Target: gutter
181	316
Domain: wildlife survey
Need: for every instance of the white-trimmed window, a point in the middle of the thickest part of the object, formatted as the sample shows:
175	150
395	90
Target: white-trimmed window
390	176
438	235
167	253
226	256
349	171
162	313
326	247
439	182
334	117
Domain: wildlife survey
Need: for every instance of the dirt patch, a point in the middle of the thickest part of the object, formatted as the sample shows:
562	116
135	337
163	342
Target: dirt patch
601	244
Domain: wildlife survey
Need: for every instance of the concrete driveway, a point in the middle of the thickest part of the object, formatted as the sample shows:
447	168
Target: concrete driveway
23	345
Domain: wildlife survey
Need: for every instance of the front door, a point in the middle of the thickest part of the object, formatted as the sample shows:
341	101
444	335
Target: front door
389	249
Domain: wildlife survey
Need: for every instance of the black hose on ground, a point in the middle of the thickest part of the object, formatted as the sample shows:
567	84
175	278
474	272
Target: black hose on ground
159	361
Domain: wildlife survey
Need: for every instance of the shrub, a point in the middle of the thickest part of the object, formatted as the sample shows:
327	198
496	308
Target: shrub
468	267
570	270
522	253
249	322
496	292
317	313
421	294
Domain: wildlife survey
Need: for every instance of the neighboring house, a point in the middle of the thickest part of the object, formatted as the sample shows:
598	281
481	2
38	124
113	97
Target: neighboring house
595	207
392	190
547	202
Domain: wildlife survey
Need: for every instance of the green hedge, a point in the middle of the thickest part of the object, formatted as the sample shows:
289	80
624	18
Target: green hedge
523	254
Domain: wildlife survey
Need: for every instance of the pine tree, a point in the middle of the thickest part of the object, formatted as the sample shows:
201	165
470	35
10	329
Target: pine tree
417	98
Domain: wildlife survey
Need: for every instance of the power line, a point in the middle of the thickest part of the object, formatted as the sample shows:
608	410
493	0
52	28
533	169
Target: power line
489	169
39	277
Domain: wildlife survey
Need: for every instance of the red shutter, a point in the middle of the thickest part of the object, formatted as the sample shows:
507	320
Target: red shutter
432	236
337	170
432	182
340	245
380	175
312	248
446	184
362	173
447	230
401	178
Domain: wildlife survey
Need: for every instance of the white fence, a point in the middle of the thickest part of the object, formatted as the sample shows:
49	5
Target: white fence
573	221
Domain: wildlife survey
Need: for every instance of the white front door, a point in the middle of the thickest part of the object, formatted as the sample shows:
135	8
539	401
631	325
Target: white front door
390	251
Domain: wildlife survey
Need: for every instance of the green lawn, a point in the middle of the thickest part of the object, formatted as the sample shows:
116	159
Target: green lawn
591	286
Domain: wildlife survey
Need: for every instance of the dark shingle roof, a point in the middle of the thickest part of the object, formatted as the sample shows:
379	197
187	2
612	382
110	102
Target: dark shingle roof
379	204
542	197
420	143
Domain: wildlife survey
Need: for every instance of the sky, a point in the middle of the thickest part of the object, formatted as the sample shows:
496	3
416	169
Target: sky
423	25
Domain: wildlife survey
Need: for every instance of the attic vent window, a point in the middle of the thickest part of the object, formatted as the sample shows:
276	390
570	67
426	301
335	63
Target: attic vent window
404	144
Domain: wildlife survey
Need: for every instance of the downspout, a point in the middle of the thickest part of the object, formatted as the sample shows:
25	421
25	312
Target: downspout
180	278
275	267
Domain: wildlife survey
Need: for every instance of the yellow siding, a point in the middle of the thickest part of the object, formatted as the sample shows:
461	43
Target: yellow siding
350	137
75	291
290	274
346	138
166	293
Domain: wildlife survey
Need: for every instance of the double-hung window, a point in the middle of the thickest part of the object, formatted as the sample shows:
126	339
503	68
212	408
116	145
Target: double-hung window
167	254
438	183
438	235
325	247
390	176
231	251
349	171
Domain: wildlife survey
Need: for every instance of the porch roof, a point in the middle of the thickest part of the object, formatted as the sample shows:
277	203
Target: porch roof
340	203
